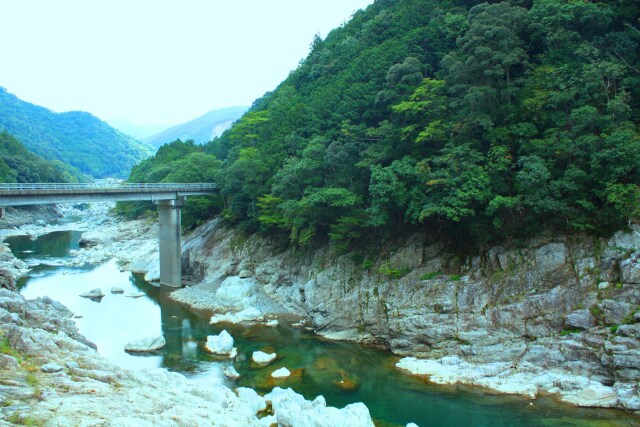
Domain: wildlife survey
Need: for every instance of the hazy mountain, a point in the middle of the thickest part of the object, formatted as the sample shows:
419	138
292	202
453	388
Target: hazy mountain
200	130
76	138
137	131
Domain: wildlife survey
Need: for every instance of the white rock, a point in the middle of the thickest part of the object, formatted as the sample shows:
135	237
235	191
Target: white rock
220	344
94	294
291	409
263	358
146	344
412	425
135	294
248	315
235	291
117	290
50	368
272	323
281	373
230	372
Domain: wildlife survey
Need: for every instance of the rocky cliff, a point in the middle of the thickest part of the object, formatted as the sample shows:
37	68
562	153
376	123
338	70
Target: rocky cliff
556	314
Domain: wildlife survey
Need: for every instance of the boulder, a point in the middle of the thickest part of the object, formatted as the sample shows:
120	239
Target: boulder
244	274
94	294
220	344
6	280
231	373
291	409
580	319
281	373
50	368
262	358
630	269
146	344
135	294
117	290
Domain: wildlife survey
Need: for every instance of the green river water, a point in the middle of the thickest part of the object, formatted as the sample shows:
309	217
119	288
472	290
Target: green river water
342	372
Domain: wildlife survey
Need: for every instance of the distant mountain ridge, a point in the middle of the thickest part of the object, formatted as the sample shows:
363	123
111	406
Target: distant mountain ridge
137	131
201	130
76	138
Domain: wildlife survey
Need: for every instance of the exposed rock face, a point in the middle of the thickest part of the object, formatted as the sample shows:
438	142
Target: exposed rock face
541	305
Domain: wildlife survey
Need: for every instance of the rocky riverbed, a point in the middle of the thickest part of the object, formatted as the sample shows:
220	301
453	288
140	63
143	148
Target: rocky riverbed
553	315
51	375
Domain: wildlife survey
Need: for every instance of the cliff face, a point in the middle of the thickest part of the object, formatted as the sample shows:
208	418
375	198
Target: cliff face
557	302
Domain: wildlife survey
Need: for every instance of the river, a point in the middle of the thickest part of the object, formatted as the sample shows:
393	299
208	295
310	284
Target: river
342	372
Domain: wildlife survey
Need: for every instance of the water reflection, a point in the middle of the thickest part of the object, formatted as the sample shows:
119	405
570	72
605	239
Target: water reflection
109	323
52	245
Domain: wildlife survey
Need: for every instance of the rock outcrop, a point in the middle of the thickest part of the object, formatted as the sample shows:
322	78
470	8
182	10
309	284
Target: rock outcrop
567	304
69	383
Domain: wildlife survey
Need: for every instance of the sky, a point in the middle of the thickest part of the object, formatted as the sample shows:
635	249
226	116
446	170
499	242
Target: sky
155	62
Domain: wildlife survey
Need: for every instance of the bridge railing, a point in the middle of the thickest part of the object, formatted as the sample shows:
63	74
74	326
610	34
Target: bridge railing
106	185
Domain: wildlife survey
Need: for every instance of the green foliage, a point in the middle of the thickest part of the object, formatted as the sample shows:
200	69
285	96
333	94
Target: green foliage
18	164
570	331
391	271
431	275
87	144
474	122
177	162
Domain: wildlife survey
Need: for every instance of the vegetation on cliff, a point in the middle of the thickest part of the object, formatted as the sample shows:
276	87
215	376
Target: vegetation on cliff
475	121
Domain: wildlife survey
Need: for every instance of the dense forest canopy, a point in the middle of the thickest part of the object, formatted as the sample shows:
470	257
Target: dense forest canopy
75	138
474	121
19	165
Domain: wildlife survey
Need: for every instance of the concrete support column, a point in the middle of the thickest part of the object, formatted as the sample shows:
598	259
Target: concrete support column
170	242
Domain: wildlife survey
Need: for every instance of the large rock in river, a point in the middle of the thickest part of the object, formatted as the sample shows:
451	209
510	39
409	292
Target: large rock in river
146	344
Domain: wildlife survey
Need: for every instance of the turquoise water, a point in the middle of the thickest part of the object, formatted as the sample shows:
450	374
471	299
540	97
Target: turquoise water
342	372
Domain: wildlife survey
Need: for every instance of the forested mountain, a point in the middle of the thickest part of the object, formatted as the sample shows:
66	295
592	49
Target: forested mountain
75	138
17	164
200	130
473	121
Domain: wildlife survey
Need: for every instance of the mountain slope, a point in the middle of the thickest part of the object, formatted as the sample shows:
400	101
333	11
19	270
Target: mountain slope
17	164
200	130
473	122
75	138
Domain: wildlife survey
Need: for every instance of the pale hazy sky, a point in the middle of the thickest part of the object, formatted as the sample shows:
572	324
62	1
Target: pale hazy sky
157	61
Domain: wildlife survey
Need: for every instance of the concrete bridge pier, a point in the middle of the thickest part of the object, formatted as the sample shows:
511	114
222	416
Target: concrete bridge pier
170	242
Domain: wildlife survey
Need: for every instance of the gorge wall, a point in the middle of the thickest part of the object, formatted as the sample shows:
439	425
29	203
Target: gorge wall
563	303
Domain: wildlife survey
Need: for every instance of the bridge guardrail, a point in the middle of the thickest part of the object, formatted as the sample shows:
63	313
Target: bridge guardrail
106	185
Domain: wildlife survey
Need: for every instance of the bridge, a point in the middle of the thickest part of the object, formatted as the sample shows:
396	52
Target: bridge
169	197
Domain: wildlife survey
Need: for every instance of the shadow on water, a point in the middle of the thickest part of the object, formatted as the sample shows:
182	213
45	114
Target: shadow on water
342	372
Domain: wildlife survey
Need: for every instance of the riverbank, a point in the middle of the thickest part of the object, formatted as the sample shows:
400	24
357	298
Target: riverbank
51	375
554	315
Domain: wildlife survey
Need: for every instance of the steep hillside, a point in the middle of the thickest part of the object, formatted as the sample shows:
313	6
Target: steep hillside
200	130
474	122
17	164
75	138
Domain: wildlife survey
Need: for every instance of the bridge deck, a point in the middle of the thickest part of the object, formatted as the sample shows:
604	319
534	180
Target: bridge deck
48	193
